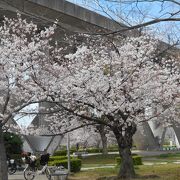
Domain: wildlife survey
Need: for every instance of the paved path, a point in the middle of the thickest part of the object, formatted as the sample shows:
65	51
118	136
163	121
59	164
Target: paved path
140	152
19	176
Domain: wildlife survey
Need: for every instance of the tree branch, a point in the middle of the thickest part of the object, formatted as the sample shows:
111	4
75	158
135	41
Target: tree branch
126	28
73	129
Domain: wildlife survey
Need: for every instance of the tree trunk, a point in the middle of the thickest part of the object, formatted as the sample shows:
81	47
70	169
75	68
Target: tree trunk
126	168
103	139
3	162
124	141
102	133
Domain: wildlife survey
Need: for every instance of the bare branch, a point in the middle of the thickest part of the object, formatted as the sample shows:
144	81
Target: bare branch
126	28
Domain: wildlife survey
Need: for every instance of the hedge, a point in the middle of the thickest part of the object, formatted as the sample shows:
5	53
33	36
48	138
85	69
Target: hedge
137	160
94	150
55	158
113	148
75	164
60	153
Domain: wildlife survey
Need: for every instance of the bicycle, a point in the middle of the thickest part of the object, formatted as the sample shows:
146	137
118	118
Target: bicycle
12	166
30	172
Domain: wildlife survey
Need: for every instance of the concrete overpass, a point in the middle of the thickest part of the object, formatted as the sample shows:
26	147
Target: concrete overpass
71	16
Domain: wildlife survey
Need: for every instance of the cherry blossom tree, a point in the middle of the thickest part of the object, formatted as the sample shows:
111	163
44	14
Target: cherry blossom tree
85	137
24	54
119	84
111	83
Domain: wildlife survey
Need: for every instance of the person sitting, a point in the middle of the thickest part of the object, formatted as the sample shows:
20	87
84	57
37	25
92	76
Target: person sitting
30	159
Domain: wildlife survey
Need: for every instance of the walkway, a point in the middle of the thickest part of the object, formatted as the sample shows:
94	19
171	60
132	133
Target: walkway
19	176
140	152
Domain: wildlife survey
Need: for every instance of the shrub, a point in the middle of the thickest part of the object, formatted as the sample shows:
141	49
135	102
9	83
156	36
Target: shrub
75	164
169	155
55	158
94	150
60	153
13	143
137	160
72	150
113	148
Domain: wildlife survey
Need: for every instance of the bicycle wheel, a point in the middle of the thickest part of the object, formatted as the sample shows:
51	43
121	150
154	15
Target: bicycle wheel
29	174
48	174
11	170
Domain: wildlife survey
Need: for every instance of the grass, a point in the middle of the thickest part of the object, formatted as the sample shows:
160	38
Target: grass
94	174
99	160
169	171
169	157
154	172
164	172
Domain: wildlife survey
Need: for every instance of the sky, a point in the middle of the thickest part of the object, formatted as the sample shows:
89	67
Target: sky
133	13
25	121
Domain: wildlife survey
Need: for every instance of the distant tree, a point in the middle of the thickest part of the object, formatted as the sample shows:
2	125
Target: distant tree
13	143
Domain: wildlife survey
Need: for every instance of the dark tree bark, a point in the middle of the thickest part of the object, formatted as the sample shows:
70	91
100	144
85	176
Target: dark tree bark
102	133
3	162
124	141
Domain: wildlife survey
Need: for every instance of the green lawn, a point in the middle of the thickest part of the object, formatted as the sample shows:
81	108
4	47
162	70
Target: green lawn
97	160
155	172
169	171
169	157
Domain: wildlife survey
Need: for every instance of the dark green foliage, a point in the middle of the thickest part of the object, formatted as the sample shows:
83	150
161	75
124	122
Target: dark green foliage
75	164
113	148
72	150
137	160
118	160
94	150
54	158
60	153
61	161
169	155
13	143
